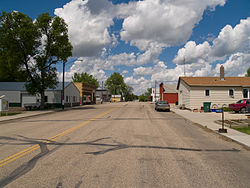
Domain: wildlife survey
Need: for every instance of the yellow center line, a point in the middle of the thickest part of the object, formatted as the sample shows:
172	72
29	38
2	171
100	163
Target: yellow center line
34	147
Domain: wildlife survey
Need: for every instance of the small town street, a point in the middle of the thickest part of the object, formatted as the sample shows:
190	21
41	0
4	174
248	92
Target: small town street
117	145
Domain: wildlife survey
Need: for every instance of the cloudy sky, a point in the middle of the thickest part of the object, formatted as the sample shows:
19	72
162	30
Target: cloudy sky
150	40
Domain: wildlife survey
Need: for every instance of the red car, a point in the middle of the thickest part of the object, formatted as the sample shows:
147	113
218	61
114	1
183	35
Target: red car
240	106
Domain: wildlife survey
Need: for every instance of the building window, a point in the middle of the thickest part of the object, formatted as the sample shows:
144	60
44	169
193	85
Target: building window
45	98
231	92
207	92
67	99
246	93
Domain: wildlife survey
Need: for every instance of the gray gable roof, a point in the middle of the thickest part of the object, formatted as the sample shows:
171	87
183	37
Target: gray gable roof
20	86
170	88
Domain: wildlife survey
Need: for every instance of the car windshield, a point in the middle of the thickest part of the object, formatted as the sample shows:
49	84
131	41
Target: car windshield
240	101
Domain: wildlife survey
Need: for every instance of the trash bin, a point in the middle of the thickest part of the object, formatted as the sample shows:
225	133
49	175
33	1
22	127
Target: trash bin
207	106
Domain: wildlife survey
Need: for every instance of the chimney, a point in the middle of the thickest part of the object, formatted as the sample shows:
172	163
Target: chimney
222	73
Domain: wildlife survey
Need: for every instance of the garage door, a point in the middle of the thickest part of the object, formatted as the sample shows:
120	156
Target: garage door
26	99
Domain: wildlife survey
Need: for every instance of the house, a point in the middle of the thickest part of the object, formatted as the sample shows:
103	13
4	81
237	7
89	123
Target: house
220	91
87	93
155	95
16	94
102	95
168	93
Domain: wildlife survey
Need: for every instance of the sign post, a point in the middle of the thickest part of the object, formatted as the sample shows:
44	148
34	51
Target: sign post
222	130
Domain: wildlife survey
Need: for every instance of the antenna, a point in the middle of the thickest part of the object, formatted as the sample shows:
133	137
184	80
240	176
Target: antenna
184	67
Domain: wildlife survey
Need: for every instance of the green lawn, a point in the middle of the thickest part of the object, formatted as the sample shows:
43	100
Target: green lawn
9	113
243	129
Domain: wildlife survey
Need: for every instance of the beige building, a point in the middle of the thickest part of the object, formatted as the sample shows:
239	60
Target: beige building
220	91
87	93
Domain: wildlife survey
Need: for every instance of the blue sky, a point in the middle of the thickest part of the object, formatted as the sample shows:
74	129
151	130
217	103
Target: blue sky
150	40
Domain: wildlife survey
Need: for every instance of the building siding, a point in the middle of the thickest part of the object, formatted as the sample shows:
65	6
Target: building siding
218	96
184	94
170	97
54	96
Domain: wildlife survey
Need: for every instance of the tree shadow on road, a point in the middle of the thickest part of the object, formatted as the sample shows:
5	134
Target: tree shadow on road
114	146
27	166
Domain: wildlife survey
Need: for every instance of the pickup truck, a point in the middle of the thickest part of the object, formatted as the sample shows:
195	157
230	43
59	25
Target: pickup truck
30	106
240	106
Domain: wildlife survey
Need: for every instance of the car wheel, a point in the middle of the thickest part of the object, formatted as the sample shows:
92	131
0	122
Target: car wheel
243	110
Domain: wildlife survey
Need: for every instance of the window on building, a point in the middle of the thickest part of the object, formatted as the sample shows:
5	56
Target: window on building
67	99
207	92
231	92
45	98
246	93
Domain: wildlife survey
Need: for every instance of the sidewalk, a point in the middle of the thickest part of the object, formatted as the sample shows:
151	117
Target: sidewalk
25	114
208	120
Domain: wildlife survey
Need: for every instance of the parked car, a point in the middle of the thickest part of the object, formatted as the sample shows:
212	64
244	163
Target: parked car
240	106
162	105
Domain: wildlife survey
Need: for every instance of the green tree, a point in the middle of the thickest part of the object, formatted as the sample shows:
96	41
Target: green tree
248	72
18	36
85	78
128	93
35	47
115	84
148	92
142	98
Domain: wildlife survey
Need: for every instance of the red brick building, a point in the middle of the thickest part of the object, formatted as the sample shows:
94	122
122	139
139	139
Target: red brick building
168	93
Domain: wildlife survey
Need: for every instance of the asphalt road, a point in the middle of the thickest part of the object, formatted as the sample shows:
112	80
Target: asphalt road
117	145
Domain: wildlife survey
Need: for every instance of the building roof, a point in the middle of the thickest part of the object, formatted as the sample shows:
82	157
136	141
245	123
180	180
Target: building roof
169	88
215	81
20	86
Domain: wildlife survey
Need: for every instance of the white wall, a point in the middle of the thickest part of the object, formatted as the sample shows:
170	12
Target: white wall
11	96
53	96
71	91
155	97
184	94
218	95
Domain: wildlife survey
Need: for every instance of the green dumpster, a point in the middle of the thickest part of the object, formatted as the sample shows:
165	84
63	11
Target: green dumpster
207	106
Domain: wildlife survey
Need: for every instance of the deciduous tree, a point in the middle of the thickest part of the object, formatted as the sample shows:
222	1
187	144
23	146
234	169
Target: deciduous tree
35	47
248	72
85	78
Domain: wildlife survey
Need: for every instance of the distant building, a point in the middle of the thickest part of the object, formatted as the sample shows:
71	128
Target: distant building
102	95
115	98
87	92
168	92
155	95
17	96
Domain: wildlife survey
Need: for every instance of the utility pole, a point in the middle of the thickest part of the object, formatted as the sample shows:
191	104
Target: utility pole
184	67
63	86
155	90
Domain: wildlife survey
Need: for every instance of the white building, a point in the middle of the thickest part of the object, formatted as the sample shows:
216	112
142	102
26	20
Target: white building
17	96
220	91
155	94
